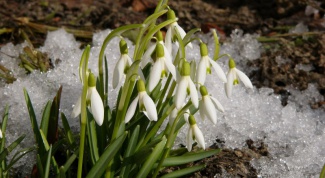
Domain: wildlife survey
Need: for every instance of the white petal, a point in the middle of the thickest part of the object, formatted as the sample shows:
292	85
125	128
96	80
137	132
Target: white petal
193	93
230	83
147	55
189	139
0	133
183	34
221	75
202	110
168	39
243	77
155	75
198	136
76	109
181	93
217	104
168	54
169	64
131	109
210	109
118	72
201	72
150	108
97	107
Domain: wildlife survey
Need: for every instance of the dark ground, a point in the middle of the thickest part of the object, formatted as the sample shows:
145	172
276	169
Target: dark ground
270	19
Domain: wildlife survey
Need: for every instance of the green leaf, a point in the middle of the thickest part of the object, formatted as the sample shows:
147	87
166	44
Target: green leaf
69	162
44	141
35	128
52	134
98	169
18	156
47	164
154	156
178	160
92	138
183	172
46	117
39	164
11	147
132	143
3	140
141	154
67	130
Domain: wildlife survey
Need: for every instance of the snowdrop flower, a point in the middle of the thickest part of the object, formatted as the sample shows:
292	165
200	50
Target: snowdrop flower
146	105
0	133
151	49
95	104
160	67
205	64
186	86
194	133
233	77
122	65
208	106
171	31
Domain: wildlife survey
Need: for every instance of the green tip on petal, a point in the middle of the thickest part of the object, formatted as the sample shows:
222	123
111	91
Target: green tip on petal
123	47
91	80
141	86
203	49
235	82
186	69
159	36
171	14
203	90
191	120
232	63
160	51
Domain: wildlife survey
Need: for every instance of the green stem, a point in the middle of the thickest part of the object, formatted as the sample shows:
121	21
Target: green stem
114	33
170	139
83	120
154	130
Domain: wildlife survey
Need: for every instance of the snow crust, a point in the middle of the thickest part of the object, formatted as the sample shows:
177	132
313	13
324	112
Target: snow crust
294	133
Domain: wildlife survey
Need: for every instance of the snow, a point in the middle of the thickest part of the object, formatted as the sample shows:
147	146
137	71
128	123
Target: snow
294	133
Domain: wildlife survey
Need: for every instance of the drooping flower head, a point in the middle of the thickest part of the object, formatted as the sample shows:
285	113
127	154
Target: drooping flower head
194	133
186	87
122	64
146	104
161	66
233	77
171	31
208	106
94	102
205	64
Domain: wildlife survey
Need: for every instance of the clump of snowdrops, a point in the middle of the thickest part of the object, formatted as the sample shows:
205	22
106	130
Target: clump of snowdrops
156	83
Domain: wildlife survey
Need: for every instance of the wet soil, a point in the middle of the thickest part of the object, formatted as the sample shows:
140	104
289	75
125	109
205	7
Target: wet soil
270	19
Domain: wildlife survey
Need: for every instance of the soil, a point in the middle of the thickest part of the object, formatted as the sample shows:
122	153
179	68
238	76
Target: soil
31	19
